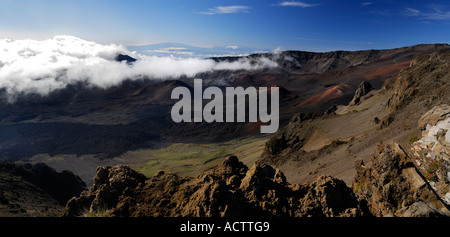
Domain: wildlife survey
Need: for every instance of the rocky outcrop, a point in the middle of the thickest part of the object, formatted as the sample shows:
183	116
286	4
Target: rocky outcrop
426	78
431	153
109	184
290	138
363	89
392	186
437	114
229	190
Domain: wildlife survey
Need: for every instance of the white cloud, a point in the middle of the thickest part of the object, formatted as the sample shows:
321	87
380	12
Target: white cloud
438	16
437	13
366	4
434	12
32	66
232	47
278	50
412	11
225	10
297	4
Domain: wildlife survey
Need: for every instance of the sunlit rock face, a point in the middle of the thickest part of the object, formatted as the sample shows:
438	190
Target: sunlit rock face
432	151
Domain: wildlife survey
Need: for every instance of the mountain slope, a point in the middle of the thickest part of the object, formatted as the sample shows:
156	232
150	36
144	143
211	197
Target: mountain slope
312	145
35	190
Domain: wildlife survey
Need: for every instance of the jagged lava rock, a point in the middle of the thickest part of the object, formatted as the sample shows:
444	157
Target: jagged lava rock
229	190
393	187
109	184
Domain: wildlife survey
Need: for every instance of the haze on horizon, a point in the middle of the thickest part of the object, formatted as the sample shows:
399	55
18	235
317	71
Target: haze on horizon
310	25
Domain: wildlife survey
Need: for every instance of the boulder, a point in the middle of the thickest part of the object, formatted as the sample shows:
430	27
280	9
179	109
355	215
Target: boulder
433	116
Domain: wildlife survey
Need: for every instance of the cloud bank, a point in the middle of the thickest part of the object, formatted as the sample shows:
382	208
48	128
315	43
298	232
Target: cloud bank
31	66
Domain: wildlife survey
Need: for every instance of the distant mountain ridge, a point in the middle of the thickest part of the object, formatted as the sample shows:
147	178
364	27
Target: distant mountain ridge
185	50
318	62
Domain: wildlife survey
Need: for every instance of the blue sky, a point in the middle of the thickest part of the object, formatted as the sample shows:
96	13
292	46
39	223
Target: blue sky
312	25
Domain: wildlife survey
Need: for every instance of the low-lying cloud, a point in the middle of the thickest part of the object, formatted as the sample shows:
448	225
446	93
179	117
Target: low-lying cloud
31	66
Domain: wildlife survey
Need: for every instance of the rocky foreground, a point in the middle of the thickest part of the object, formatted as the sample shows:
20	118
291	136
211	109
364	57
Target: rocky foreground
391	186
230	190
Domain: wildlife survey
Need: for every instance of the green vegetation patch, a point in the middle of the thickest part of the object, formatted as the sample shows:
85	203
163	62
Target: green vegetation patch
413	139
188	159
